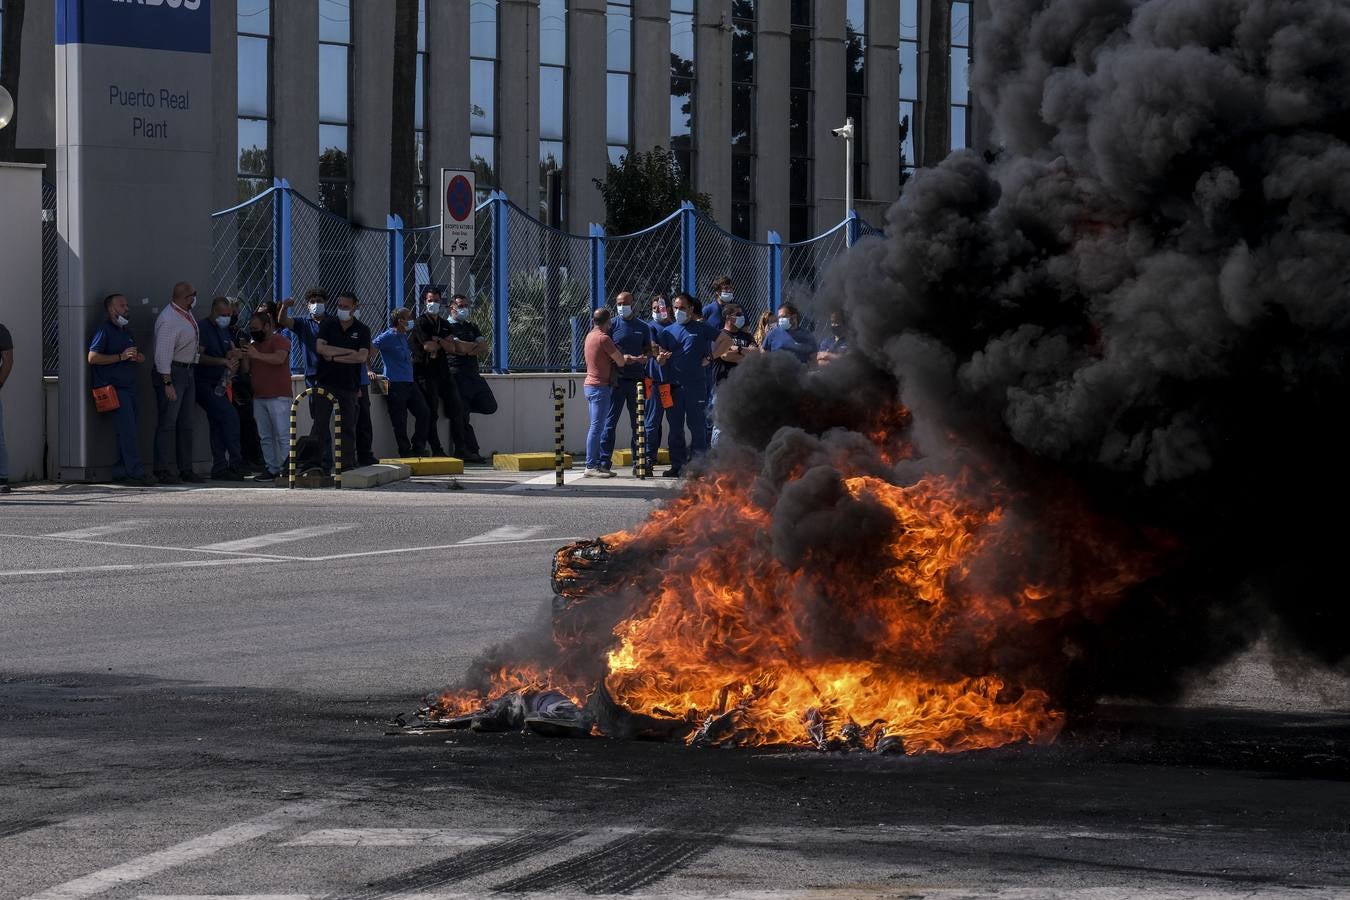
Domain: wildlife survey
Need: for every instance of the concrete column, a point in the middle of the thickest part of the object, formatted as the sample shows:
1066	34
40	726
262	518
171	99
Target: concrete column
932	140
447	91
982	137
772	117
828	83
21	313
372	116
586	151
712	105
225	90
295	94
518	100
883	104
651	74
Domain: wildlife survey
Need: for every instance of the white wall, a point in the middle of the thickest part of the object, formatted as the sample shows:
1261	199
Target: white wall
21	313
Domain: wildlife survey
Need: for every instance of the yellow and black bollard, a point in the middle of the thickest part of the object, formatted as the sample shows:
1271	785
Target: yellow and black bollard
640	464
337	434
557	435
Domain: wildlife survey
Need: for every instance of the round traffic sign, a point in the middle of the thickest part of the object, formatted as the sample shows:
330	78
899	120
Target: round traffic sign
459	198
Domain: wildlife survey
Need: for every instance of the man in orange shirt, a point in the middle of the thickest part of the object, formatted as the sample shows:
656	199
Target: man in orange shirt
602	359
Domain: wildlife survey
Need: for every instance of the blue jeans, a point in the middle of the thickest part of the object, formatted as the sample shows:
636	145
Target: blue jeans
625	396
656	414
690	410
4	451
173	428
598	400
124	418
273	416
224	421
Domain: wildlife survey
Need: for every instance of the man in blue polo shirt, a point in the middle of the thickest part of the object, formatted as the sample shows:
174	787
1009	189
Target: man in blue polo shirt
788	335
403	397
656	381
113	358
633	337
691	343
214	373
306	331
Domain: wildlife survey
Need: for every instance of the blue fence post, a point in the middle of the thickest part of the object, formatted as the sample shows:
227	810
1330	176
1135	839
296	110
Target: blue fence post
500	284
775	271
281	239
688	250
395	226
597	266
852	224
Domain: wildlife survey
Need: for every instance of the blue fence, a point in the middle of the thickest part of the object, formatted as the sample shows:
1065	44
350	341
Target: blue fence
532	287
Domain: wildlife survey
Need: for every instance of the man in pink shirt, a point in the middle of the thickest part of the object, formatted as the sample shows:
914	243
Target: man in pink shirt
602	358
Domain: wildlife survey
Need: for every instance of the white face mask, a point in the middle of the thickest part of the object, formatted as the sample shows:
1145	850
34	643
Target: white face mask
344	315
740	321
462	314
784	322
121	321
316	309
663	318
433	309
223	321
727	296
626	311
681	316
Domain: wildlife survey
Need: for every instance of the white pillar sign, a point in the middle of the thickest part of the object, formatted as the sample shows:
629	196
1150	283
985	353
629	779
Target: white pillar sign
459	196
133	167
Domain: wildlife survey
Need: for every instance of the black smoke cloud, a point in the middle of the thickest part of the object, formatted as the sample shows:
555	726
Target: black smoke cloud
1146	296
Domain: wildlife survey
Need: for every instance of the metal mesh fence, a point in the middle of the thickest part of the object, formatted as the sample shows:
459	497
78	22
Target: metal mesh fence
423	265
549	295
242	251
804	264
645	263
51	285
718	253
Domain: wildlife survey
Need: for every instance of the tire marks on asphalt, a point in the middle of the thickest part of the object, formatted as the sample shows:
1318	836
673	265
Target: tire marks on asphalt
462	866
624	864
11	827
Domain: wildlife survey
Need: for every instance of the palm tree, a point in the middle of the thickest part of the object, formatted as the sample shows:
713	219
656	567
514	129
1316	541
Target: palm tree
402	122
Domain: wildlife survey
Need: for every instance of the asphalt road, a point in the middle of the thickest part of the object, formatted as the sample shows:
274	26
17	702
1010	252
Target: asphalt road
194	686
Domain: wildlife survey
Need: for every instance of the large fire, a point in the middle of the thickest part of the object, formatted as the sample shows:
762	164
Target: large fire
924	631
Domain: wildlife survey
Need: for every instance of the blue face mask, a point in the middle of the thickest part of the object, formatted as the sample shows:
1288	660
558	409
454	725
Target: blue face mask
223	321
681	316
740	321
784	322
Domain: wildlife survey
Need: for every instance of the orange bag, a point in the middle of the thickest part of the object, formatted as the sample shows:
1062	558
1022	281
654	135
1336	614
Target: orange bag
647	388
667	399
105	398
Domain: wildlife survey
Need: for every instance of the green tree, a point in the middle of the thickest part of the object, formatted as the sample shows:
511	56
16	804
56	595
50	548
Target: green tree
643	189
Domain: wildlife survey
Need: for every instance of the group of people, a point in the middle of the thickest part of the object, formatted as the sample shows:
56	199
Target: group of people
236	366
680	356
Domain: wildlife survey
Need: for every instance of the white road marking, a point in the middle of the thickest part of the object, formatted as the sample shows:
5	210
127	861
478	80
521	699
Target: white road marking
101	530
152	864
397	837
460	546
125	546
228	896
146	566
548	479
506	533
278	537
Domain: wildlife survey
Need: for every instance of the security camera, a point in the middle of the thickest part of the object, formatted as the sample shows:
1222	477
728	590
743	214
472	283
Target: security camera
844	131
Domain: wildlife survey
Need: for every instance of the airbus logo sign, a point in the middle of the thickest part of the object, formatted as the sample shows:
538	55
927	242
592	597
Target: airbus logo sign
144	24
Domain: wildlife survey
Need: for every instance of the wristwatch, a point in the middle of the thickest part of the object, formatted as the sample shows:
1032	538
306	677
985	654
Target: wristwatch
168	379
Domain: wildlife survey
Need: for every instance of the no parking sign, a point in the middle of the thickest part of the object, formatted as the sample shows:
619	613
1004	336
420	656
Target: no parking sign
458	198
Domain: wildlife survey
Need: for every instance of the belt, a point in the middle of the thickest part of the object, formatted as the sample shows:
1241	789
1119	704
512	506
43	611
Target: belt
182	365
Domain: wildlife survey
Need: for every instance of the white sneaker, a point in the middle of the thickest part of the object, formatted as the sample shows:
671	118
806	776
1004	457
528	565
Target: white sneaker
593	473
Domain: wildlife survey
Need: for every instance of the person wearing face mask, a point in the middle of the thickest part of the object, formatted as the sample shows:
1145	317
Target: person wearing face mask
742	345
788	335
692	344
633	337
306	327
343	346
834	346
602	359
404	397
177	350
113	358
213	375
656	378
267	358
468	346
714	311
431	369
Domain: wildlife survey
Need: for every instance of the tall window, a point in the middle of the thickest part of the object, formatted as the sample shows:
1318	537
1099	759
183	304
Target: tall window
855	86
960	75
743	118
618	78
335	111
254	39
799	122
483	93
909	84
552	109
682	95
420	193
